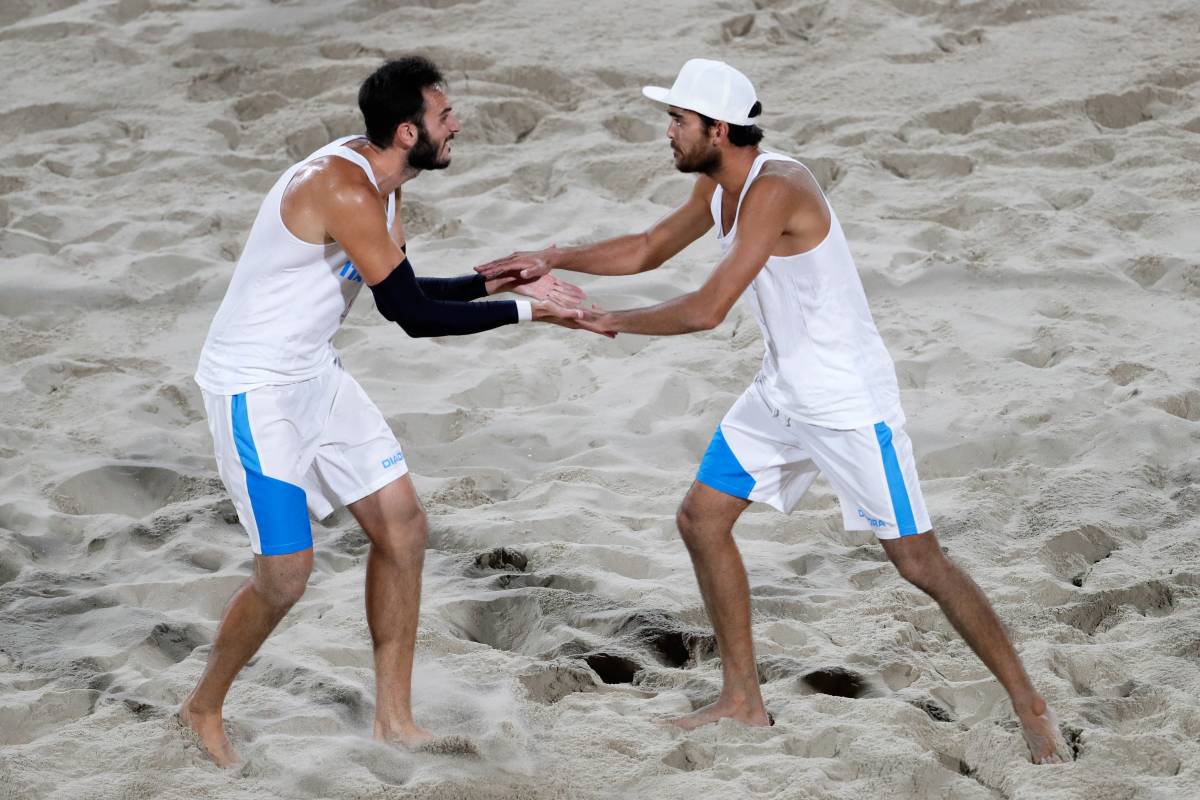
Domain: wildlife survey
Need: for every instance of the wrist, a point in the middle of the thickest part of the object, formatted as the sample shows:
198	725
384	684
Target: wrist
526	311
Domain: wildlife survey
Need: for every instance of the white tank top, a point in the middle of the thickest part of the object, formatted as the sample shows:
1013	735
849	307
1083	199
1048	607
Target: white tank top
286	300
825	363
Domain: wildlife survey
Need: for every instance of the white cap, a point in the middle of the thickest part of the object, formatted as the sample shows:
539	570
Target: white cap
711	88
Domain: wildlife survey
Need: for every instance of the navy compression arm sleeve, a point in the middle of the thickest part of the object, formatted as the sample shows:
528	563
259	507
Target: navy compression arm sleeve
467	287
400	299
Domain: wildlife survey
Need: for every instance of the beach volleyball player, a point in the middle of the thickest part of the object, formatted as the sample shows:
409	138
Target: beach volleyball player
295	433
825	401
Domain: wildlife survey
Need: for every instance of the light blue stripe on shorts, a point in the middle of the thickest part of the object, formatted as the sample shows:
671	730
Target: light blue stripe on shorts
721	469
280	508
901	506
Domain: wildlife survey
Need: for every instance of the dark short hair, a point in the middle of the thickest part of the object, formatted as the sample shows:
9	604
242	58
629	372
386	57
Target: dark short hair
739	135
393	94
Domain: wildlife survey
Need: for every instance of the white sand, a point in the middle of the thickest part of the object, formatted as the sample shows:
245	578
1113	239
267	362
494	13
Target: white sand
1018	179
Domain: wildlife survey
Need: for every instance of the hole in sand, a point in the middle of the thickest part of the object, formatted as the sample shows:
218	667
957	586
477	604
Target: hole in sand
612	668
836	681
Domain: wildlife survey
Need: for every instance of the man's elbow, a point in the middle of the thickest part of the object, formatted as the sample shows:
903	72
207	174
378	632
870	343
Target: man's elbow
416	325
705	319
647	259
647	262
415	331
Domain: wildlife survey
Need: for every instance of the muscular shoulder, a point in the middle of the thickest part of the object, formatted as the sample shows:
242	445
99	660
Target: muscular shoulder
788	175
325	193
788	183
332	182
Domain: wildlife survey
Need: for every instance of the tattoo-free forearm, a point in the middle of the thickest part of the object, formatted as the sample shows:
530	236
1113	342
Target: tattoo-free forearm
623	255
684	314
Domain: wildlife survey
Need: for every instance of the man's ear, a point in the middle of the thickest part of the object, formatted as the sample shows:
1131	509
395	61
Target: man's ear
720	131
406	135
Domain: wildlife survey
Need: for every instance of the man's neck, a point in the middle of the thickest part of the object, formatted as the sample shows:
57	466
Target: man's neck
734	169
390	167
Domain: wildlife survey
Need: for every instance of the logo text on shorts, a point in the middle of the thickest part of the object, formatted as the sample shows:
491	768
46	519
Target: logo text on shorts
875	523
393	459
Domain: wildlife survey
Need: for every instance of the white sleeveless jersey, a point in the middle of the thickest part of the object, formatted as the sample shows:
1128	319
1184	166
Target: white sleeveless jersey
825	363
286	300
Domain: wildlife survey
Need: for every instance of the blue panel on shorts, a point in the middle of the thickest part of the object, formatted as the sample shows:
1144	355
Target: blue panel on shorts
721	470
905	523
279	507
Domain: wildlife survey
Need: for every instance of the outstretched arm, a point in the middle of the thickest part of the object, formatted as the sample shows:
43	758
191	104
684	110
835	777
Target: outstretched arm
622	255
353	214
765	213
473	286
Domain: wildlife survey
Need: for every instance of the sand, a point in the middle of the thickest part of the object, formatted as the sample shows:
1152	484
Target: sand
1018	182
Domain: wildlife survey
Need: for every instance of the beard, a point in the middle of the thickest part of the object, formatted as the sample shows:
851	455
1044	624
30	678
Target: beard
424	154
699	159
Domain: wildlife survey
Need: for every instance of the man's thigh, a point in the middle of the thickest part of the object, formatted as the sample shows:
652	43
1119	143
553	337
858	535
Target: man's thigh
873	470
359	454
754	456
391	511
263	440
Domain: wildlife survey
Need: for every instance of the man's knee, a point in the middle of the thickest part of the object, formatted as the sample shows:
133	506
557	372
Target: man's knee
283	588
924	571
687	519
406	530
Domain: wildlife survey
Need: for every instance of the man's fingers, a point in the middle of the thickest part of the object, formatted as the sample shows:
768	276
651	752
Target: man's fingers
565	300
496	266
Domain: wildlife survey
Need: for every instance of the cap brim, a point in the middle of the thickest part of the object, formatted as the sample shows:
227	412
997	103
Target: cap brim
658	94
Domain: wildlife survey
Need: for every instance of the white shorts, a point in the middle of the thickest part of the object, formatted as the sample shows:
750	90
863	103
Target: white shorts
759	454
283	450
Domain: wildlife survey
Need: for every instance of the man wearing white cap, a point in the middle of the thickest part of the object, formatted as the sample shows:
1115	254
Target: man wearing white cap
826	400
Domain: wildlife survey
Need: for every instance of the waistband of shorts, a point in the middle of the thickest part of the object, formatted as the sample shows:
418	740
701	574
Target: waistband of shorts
893	417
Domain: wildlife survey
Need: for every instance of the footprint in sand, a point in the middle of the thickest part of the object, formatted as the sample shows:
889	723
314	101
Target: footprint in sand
506	121
958	119
690	756
1099	611
1042	354
1118	111
550	682
922	166
543	83
172	642
45	117
631	129
1185	405
129	489
1072	554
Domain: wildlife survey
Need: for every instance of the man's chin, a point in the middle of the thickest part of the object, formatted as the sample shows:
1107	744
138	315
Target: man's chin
428	166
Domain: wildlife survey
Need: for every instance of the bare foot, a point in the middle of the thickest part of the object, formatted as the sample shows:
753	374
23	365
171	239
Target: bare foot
414	737
742	712
409	734
1039	725
210	730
